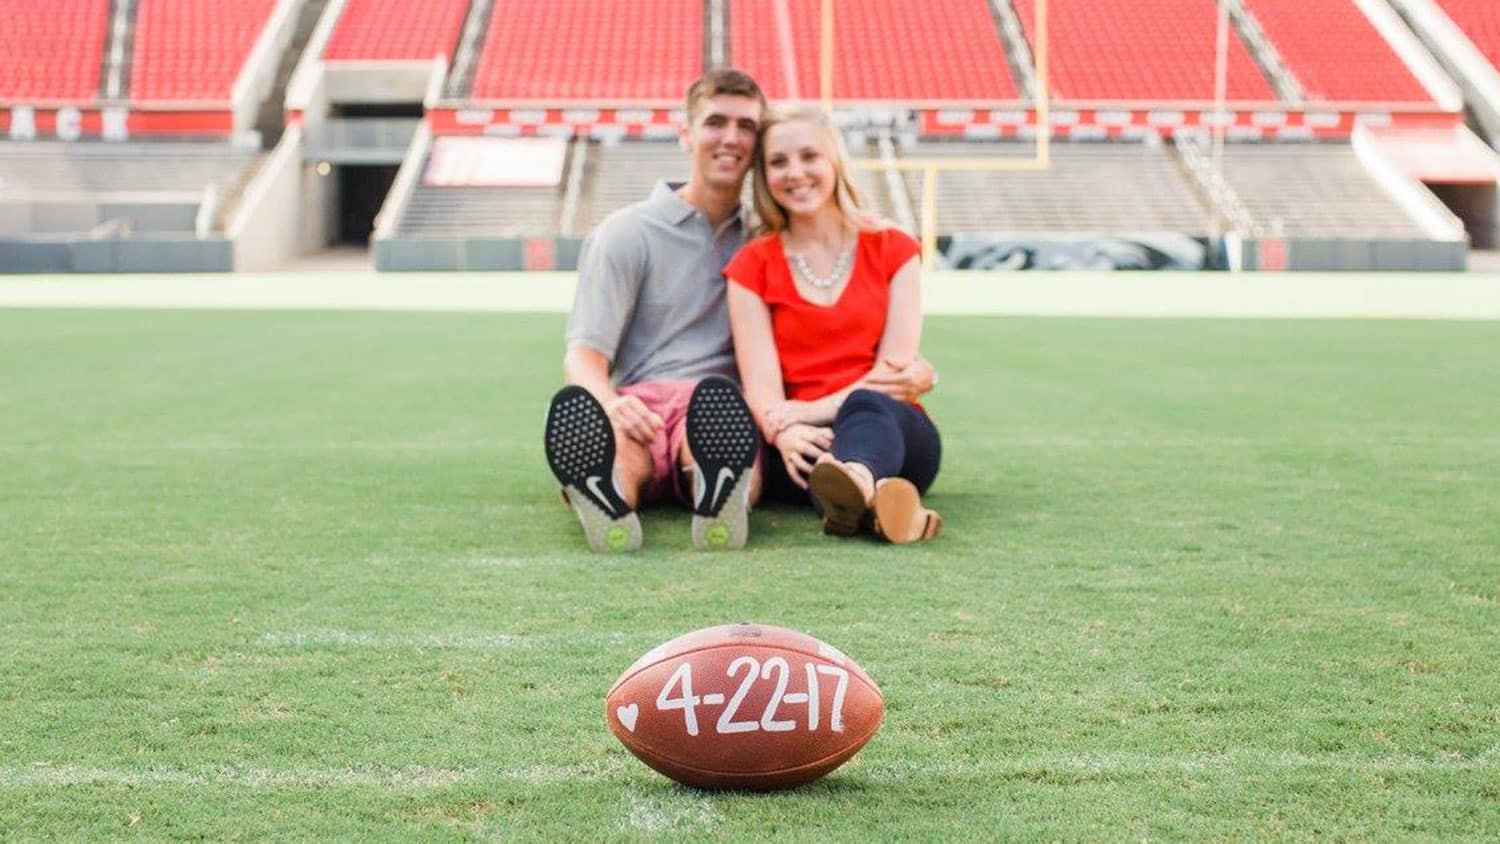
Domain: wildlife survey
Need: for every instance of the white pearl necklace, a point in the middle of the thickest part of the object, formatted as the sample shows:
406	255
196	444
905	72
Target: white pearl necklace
841	266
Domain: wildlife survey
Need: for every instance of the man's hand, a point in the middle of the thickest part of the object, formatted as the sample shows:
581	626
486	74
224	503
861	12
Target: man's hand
800	445
902	380
631	417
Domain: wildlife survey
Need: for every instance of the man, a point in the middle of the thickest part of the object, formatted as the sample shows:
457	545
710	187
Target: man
651	411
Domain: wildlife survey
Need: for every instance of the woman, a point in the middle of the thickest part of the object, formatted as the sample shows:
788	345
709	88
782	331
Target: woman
822	304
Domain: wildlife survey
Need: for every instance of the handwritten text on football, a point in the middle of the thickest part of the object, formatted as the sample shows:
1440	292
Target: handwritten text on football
772	719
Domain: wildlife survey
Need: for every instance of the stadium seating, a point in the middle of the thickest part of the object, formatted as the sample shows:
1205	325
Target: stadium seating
1315	190
52	49
596	50
1129	50
1096	188
48	167
1335	52
625	173
1480	20
885	49
192	50
396	30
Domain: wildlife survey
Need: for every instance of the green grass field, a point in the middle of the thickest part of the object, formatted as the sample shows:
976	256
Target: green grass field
305	575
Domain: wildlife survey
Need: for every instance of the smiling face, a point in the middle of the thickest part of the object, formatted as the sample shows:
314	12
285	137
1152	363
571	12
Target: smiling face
800	168
720	139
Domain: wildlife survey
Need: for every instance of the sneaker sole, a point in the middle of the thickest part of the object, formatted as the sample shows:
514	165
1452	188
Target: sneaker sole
580	446
605	534
729	530
723	440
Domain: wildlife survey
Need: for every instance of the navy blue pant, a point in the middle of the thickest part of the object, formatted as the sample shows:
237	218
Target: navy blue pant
893	438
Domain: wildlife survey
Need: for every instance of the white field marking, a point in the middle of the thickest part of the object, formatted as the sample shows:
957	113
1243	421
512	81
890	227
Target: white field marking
1234	442
1461	296
216	446
681	812
46	775
1150	764
457	641
479	560
1003	440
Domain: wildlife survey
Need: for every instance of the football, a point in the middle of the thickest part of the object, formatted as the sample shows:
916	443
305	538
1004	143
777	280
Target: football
744	706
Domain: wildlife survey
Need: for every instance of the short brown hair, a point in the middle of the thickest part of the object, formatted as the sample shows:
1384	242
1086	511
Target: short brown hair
723	80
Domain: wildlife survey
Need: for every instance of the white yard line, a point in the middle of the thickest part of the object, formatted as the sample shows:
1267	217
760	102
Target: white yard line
990	440
1267	295
50	775
318	639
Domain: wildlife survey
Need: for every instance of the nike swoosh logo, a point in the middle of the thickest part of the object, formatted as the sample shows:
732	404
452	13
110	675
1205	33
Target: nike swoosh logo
725	474
595	485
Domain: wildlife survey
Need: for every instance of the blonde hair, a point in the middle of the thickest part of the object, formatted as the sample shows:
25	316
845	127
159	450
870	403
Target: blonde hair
850	202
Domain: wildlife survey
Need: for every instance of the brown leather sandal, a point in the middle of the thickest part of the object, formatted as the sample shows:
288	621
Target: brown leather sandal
899	514
839	497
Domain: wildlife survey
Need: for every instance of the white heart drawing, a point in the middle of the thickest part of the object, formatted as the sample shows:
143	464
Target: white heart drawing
627	715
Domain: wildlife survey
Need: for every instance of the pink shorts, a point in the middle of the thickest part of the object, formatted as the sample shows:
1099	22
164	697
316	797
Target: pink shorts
669	400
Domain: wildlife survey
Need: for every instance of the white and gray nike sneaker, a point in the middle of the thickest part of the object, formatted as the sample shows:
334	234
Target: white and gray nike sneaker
580	445
723	439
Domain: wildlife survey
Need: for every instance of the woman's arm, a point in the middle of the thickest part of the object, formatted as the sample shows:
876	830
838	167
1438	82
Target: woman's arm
760	372
903	317
755	353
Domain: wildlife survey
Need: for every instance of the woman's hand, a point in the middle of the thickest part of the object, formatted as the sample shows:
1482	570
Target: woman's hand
800	446
785	414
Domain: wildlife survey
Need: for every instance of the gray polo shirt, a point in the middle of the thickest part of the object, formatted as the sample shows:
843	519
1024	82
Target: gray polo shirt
651	291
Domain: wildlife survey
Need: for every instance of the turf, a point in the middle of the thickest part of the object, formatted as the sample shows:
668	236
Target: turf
305	575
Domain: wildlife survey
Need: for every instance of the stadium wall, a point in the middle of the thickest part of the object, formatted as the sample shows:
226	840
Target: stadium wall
1324	254
264	233
113	254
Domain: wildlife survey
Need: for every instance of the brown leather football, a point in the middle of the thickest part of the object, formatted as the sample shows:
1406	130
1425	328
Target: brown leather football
745	706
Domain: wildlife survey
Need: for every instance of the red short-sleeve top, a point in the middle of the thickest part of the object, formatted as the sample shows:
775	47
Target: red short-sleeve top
825	348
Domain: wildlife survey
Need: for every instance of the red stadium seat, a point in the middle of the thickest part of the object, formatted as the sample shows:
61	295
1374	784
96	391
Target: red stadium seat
1480	20
1129	50
52	49
884	49
1335	52
591	50
192	50
397	30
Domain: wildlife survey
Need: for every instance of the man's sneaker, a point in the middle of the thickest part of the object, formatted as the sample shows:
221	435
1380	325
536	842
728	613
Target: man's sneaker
580	446
723	439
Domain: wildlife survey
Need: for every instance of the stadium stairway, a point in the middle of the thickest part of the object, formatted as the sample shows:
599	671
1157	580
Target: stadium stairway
270	120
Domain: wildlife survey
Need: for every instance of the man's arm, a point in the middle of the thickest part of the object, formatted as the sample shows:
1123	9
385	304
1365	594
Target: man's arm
589	369
611	269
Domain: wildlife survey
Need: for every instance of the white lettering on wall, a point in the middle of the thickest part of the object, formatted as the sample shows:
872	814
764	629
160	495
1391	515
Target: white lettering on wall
23	123
69	123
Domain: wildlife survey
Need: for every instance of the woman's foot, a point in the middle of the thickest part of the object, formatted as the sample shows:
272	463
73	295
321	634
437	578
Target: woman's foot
899	514
844	492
